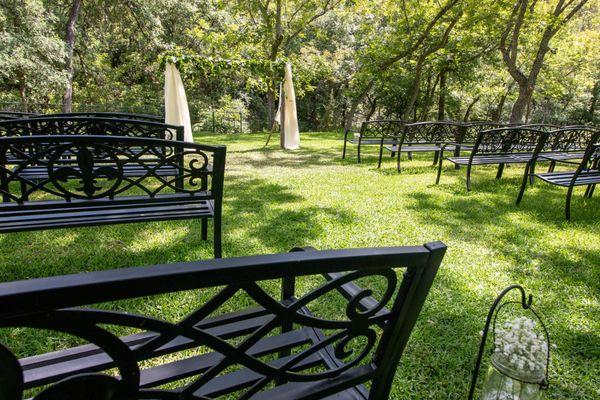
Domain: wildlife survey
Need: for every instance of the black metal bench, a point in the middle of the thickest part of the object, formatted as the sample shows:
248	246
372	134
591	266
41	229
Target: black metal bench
324	337
509	145
587	172
85	183
376	132
427	137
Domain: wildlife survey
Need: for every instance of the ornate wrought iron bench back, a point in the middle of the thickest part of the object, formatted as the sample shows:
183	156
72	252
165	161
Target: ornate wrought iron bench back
80	124
275	350
375	132
427	136
508	145
85	182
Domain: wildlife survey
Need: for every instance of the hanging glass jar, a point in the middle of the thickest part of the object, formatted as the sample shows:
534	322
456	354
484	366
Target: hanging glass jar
519	364
505	382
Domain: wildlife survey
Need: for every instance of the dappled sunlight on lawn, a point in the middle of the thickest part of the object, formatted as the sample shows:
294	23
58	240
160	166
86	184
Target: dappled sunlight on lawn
275	200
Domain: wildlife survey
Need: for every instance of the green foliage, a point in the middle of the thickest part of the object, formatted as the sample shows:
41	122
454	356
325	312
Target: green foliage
387	56
31	53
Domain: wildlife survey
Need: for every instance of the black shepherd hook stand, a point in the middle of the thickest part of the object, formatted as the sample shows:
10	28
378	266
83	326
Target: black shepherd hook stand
525	302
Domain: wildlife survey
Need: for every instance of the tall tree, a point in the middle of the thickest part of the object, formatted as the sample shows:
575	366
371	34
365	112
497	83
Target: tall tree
562	12
282	22
31	53
67	101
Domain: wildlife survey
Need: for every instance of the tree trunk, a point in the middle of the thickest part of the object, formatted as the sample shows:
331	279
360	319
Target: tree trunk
274	52
349	120
67	101
520	107
372	109
271	106
442	98
593	102
23	95
414	90
351	113
470	108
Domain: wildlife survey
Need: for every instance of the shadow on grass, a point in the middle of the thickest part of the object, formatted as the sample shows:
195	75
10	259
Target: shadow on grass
257	214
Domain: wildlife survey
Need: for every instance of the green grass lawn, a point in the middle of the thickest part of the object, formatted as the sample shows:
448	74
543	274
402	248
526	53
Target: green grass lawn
275	200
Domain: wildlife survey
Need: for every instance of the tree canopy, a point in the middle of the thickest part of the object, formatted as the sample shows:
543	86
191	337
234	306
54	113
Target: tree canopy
518	60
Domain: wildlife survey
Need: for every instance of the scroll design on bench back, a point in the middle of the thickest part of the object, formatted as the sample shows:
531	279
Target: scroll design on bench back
341	340
570	139
509	140
92	167
432	132
381	128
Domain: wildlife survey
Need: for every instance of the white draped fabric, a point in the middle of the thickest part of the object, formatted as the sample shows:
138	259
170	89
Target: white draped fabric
176	106
289	125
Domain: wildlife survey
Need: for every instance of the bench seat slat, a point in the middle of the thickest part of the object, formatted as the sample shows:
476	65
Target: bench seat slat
243	378
373	141
28	207
195	365
39	173
89	358
565	178
560	156
66	213
138	338
296	390
136	215
417	148
492	159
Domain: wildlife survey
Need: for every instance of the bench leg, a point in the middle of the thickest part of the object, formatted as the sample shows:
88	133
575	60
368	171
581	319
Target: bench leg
532	174
380	156
204	229
436	156
524	184
457	154
500	171
551	166
439	170
393	154
589	191
217	236
469	178
568	203
24	191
